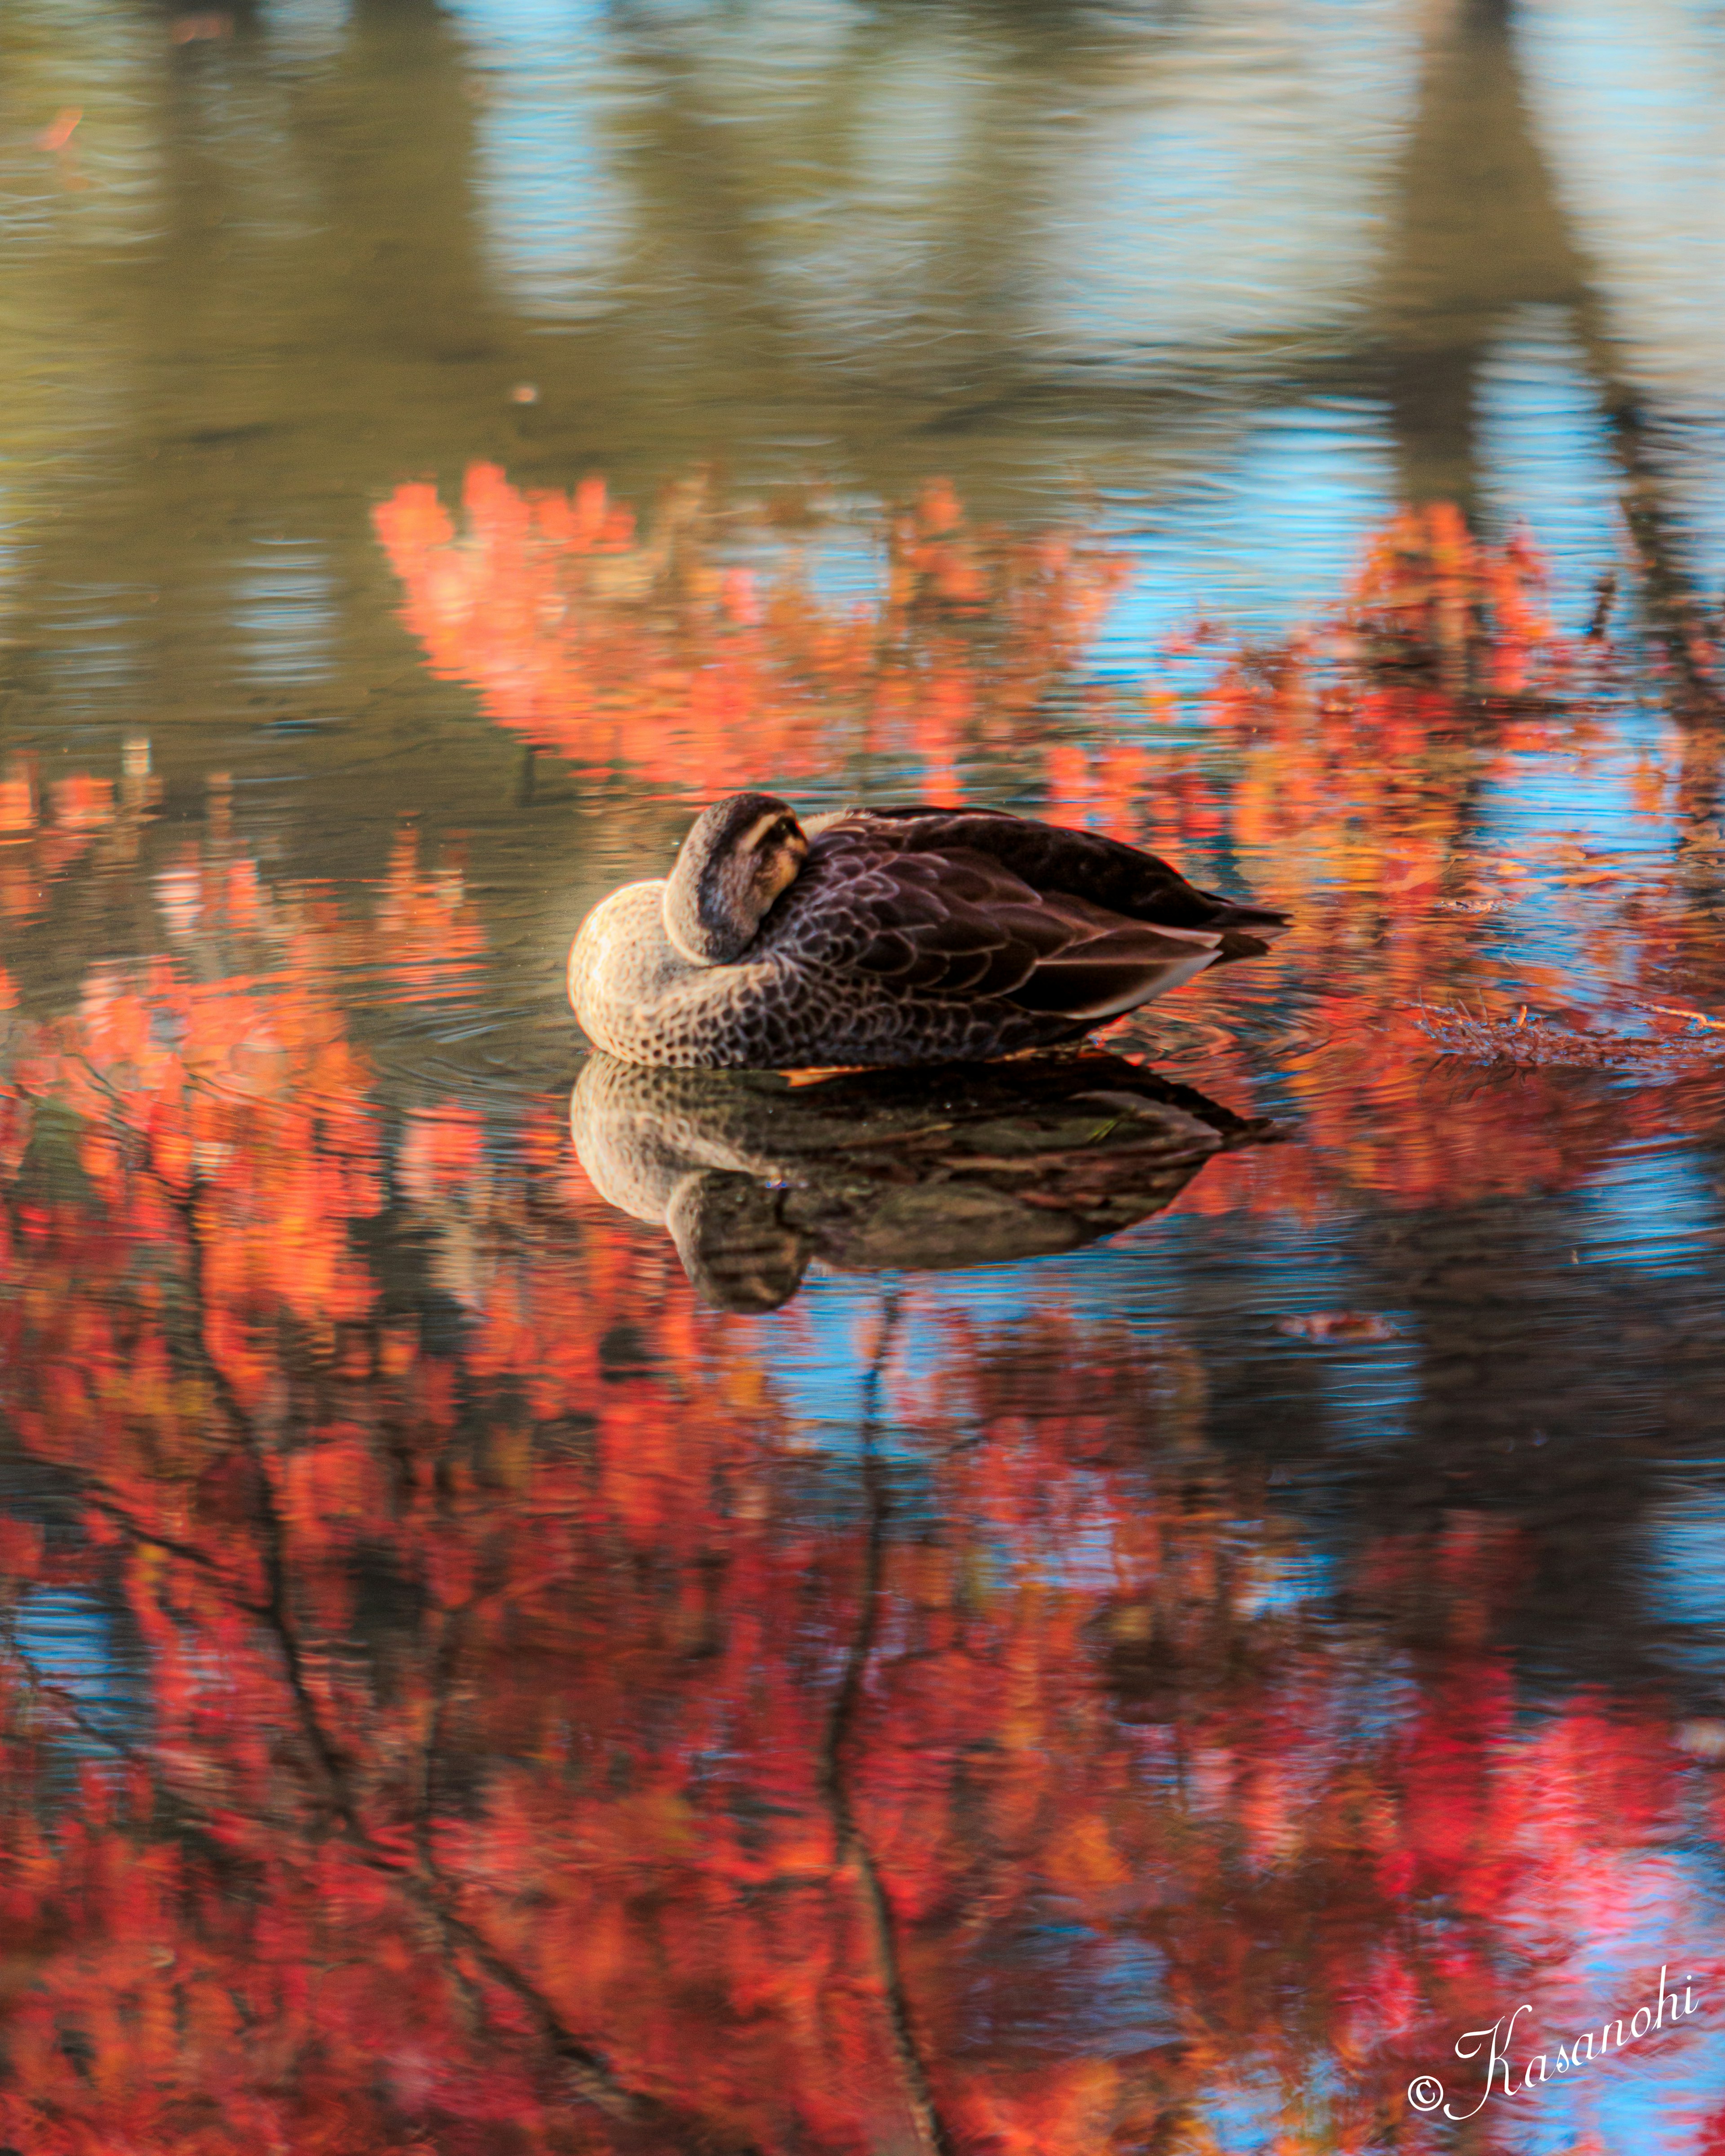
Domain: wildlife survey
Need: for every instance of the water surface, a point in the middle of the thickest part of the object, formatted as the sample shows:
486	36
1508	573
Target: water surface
1121	1611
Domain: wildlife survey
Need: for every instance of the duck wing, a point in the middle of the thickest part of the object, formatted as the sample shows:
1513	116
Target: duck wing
1106	872
956	920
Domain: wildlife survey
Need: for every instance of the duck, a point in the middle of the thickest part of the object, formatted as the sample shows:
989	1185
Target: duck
874	937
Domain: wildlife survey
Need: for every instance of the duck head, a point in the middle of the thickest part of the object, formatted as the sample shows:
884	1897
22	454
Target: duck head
737	858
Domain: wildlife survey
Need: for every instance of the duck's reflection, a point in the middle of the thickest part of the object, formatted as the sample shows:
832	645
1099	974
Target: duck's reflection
756	1174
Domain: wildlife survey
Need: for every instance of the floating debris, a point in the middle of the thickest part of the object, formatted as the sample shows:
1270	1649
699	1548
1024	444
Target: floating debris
1538	1043
60	132
1347	1325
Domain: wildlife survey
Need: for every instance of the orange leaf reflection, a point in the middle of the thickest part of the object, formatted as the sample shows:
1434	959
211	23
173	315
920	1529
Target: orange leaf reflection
459	1693
652	652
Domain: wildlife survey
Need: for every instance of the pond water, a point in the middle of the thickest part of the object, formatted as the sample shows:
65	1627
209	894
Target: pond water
1126	1608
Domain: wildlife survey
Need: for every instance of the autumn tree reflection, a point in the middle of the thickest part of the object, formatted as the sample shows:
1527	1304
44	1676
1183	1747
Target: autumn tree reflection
459	1692
649	649
1342	772
497	1716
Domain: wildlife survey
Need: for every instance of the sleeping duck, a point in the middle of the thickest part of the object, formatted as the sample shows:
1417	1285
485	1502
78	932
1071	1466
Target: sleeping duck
889	935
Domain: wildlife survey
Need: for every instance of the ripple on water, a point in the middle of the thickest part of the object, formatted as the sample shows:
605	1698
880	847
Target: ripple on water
1257	1019
498	1058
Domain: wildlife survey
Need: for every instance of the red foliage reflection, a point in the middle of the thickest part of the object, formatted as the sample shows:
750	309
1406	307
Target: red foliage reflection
532	1735
1341	774
458	1696
613	648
